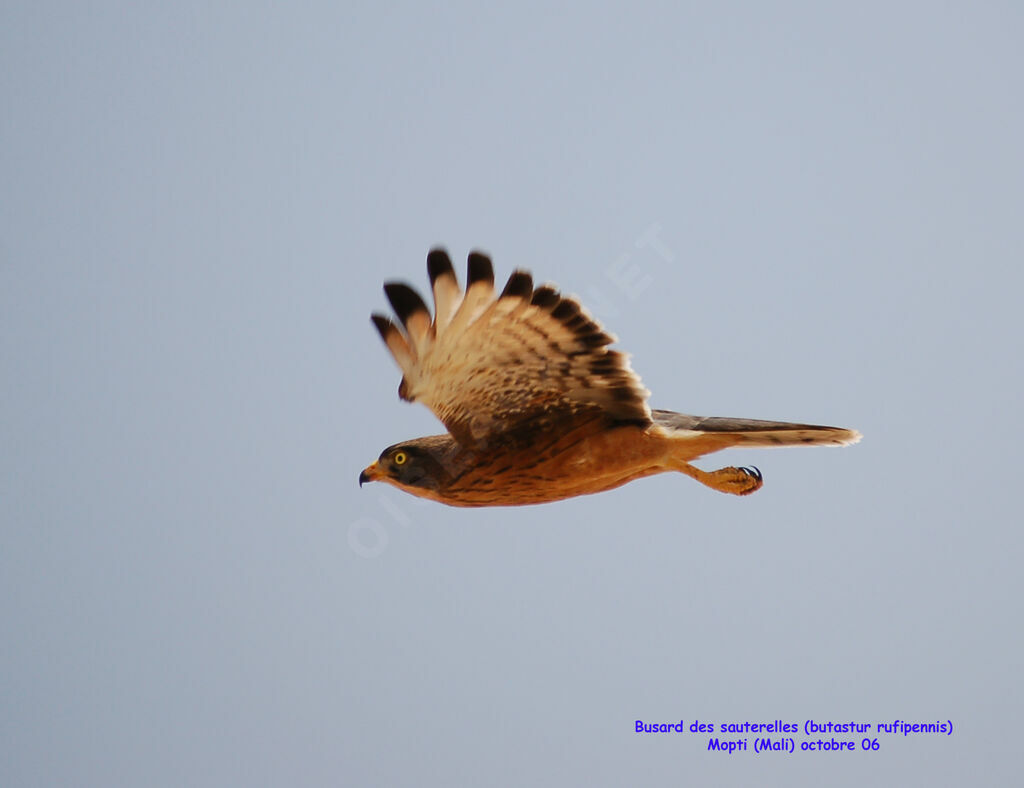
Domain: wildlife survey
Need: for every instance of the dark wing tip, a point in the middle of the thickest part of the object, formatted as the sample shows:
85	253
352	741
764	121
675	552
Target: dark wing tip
545	297
520	285
480	269
566	310
404	300
607	363
595	339
384	326
438	264
578	323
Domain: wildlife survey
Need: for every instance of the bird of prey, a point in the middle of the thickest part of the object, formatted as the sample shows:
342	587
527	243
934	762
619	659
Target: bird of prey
536	405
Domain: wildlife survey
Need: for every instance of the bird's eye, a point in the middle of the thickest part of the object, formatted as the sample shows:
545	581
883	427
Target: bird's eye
400	458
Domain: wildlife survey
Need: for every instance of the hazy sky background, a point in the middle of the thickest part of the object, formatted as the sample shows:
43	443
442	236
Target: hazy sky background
199	204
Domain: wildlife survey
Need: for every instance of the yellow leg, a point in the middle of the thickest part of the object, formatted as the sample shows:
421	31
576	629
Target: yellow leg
736	481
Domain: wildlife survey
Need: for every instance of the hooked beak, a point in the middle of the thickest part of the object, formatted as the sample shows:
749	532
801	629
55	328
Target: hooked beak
371	474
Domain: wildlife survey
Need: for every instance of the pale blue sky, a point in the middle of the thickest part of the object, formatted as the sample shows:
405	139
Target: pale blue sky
198	207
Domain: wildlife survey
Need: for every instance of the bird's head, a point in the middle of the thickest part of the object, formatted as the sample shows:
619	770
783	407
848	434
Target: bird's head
414	466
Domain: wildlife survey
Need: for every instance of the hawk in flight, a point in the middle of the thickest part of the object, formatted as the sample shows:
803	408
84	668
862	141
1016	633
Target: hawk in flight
537	407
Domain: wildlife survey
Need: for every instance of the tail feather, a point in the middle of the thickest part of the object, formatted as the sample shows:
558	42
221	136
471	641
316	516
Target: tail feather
755	432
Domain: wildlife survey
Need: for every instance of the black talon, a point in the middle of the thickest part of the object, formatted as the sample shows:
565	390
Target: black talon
753	471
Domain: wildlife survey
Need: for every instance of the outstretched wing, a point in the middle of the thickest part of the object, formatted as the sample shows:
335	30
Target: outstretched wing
487	365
